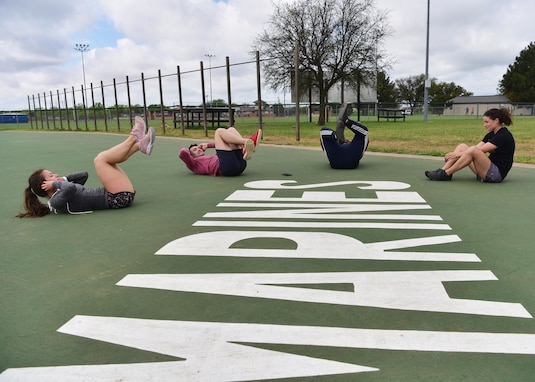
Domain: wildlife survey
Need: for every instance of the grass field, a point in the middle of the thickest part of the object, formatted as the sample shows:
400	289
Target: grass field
435	137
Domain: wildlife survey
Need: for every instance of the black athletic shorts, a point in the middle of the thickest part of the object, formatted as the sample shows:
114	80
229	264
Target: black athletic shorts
121	199
231	163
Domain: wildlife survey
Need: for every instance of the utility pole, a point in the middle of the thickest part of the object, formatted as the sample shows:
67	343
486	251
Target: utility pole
210	73
82	48
427	83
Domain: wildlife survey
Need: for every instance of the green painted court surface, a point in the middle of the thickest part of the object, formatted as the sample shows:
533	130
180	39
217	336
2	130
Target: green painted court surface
439	288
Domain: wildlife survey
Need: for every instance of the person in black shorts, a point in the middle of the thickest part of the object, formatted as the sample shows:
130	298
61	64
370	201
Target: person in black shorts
232	153
491	159
67	194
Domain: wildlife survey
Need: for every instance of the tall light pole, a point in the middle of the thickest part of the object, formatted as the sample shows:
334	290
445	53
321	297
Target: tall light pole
82	48
427	83
376	42
210	73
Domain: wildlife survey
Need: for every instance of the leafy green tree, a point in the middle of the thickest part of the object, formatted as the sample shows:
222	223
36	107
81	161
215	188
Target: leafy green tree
218	103
336	40
278	109
442	92
411	90
386	89
154	107
518	83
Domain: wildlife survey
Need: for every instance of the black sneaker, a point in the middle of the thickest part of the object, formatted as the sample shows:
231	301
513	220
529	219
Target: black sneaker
340	132
438	174
344	113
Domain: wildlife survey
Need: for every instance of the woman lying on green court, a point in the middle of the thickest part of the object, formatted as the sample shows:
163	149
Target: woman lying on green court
67	194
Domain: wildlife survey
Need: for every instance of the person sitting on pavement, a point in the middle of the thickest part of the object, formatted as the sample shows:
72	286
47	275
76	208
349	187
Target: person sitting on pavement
498	143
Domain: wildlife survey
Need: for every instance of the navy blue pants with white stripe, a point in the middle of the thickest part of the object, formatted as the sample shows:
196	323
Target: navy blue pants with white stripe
346	155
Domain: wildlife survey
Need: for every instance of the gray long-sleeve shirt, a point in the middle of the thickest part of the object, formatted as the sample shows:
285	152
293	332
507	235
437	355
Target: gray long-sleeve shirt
72	197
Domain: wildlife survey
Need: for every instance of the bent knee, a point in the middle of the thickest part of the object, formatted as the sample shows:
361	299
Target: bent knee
474	150
99	160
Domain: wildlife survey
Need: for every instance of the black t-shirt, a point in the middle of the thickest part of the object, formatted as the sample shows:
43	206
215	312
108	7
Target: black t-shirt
502	157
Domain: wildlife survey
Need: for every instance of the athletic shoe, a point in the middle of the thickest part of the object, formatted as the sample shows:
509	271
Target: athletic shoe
340	132
256	137
145	144
138	131
248	149
438	174
343	115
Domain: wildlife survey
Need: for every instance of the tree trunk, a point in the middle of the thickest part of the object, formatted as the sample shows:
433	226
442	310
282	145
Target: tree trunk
322	96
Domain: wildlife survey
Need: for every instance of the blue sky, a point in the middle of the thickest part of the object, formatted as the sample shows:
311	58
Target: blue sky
471	43
102	34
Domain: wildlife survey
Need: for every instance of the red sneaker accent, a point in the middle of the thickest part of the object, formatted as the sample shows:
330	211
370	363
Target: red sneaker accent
256	137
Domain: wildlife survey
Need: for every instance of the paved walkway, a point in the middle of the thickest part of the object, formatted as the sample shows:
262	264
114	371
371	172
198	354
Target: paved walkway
375	274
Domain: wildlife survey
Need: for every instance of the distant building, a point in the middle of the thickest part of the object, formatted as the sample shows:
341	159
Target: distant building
477	105
368	94
13	118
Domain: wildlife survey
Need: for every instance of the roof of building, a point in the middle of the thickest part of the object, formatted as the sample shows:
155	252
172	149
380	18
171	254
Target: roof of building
480	99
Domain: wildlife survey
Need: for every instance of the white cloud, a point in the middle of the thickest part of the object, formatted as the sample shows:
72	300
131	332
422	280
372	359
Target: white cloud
471	43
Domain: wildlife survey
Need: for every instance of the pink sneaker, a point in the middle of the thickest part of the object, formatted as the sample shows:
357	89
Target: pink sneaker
256	137
145	144
248	149
138	131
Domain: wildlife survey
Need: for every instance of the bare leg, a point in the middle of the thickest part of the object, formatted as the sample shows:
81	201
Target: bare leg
472	157
458	150
112	177
228	139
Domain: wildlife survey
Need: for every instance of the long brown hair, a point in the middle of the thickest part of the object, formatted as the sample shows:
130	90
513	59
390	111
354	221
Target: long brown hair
503	114
33	206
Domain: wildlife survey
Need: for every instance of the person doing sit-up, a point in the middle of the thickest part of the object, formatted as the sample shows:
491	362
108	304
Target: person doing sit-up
67	194
232	153
342	153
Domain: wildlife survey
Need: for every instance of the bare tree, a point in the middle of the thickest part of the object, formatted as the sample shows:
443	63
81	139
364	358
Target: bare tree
337	40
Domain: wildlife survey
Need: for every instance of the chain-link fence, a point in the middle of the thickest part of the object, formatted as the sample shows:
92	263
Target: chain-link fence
114	105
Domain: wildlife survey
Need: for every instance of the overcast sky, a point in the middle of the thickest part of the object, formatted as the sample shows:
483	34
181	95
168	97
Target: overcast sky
471	43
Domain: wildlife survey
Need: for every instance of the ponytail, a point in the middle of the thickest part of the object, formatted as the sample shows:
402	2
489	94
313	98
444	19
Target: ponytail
503	114
34	208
